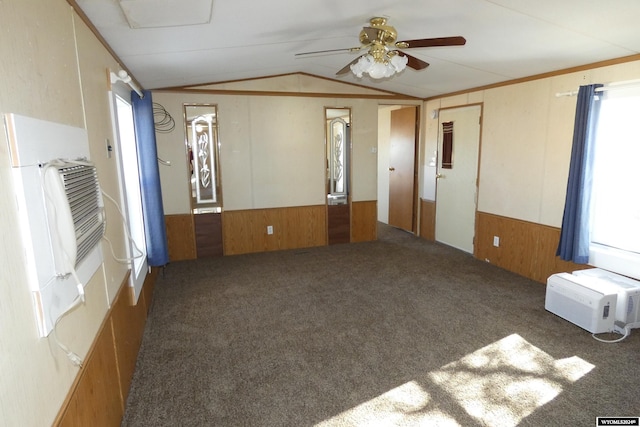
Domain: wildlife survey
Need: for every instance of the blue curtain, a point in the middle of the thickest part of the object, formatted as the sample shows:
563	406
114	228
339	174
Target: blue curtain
575	233
151	193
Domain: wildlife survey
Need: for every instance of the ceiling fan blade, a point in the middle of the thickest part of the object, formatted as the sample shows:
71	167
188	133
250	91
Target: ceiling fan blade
413	62
438	41
347	67
346	49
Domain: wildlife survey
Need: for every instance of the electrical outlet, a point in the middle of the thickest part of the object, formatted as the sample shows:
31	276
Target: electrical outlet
496	241
269	229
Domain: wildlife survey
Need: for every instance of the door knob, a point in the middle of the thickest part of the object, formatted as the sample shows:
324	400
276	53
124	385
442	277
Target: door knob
392	169
439	175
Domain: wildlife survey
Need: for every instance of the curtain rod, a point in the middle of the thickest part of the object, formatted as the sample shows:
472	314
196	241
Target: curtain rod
124	77
611	86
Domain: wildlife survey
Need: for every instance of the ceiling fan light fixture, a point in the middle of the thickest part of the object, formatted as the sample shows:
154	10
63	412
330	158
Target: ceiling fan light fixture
399	62
379	68
362	66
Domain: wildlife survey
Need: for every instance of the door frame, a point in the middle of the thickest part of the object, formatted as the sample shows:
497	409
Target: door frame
416	161
338	215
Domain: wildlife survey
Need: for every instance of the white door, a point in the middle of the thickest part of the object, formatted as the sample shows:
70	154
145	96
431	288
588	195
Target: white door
456	188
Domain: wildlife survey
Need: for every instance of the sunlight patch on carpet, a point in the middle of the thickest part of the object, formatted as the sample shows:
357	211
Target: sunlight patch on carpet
403	405
506	381
497	385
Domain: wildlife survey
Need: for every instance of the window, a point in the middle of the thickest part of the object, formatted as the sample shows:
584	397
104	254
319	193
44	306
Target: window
615	221
131	201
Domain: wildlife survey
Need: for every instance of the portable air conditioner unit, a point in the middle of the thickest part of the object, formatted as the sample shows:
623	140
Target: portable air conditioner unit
627	289
581	300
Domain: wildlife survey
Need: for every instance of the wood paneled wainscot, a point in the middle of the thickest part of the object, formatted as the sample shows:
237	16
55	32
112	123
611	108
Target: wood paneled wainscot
525	248
364	221
208	230
181	241
428	219
99	393
338	224
245	231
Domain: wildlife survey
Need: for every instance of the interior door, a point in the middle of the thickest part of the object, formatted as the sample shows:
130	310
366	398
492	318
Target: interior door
456	188
402	149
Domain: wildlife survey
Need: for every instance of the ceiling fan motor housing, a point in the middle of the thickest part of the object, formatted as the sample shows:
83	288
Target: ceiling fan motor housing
382	34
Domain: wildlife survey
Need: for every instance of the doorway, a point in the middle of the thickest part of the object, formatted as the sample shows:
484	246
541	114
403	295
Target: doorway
402	168
203	160
338	178
457	176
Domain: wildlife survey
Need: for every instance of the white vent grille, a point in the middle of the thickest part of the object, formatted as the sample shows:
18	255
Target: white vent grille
83	193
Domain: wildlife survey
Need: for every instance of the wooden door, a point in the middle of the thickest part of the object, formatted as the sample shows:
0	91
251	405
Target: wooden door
402	149
457	186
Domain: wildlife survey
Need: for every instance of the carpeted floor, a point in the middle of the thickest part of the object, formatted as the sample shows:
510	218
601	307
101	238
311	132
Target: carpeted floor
397	332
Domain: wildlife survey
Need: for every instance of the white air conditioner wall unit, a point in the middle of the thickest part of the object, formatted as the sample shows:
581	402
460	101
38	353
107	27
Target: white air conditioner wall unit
581	301
627	289
59	212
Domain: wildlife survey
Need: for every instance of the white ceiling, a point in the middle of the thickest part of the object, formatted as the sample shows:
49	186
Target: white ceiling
506	39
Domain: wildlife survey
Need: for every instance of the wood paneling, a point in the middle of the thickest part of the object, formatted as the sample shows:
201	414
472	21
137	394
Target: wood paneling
526	248
245	231
96	400
180	237
364	221
98	396
208	230
338	224
128	323
148	288
428	219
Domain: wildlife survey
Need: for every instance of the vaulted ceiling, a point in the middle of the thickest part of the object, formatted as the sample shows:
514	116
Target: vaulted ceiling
168	43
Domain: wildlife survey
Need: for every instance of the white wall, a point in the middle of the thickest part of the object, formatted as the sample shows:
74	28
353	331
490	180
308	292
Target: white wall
384	144
41	78
525	142
272	150
364	137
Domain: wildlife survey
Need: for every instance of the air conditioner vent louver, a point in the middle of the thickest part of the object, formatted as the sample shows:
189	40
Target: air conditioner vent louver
83	193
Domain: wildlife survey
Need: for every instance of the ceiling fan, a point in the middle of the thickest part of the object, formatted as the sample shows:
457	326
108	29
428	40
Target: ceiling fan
383	57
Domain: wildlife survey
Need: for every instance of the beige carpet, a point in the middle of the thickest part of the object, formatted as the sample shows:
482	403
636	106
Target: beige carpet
398	332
